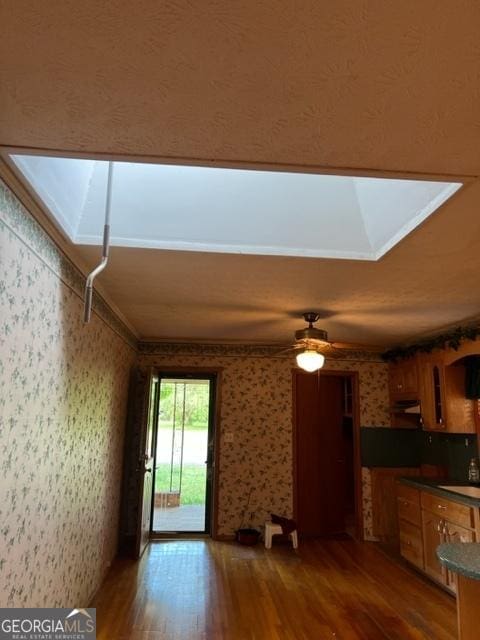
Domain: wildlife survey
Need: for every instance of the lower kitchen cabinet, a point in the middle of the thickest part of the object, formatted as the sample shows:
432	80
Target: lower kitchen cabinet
432	537
411	543
425	520
409	524
454	533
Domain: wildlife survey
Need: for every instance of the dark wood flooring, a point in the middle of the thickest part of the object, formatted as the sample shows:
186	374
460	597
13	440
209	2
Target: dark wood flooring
329	589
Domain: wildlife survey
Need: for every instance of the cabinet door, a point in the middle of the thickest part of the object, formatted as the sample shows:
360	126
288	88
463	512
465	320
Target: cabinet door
403	380
432	537
460	412
433	393
411	544
396	380
410	377
454	533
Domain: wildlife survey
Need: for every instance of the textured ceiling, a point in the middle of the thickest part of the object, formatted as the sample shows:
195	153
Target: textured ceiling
388	86
427	281
370	83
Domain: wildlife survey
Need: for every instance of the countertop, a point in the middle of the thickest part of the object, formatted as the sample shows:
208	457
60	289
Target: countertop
461	557
433	486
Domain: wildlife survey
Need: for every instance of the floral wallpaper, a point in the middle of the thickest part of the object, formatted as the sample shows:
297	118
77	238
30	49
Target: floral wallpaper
256	408
62	415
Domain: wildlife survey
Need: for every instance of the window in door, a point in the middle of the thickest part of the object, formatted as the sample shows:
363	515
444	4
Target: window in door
184	456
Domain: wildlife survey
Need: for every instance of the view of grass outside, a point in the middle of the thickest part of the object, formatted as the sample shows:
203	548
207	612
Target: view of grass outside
180	401
193	482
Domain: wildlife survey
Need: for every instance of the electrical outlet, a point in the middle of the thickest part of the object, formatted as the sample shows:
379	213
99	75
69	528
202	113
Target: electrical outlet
228	437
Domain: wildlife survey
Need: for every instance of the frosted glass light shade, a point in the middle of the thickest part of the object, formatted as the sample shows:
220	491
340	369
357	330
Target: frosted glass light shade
310	360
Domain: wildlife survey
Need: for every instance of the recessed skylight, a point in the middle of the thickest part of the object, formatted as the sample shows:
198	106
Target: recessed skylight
232	210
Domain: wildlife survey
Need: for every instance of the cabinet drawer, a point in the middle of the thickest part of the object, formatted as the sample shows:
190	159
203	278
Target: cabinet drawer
409	511
454	512
408	493
411	543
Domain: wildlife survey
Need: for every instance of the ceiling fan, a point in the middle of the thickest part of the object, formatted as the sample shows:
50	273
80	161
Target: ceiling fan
312	345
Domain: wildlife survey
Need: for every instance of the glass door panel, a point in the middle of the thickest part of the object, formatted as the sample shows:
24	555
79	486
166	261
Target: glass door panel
182	460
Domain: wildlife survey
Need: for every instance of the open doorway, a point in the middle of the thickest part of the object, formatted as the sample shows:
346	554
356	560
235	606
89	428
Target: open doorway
327	471
184	454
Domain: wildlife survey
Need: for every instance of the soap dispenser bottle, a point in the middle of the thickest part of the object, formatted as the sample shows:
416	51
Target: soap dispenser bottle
473	472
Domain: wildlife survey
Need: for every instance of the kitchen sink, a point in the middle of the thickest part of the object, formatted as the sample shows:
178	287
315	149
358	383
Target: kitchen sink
472	492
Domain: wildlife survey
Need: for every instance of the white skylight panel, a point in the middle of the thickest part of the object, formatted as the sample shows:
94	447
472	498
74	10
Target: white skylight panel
232	210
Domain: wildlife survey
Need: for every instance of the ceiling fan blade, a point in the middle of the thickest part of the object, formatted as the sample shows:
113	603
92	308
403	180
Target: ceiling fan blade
285	350
333	352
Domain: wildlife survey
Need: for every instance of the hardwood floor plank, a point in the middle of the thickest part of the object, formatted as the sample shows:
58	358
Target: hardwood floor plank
329	589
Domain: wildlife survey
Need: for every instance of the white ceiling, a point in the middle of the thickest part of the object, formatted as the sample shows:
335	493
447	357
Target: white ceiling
369	87
231	210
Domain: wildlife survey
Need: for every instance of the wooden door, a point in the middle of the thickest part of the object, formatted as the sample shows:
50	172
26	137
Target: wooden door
321	475
145	467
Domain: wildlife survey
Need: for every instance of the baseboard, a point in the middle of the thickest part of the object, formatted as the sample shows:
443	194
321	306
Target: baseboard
102	580
224	537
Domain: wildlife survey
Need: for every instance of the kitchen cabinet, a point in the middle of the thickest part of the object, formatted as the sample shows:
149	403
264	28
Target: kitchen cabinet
432	537
448	509
409	525
454	533
444	520
426	520
411	544
403	380
385	504
437	530
404	392
460	412
432	392
444	406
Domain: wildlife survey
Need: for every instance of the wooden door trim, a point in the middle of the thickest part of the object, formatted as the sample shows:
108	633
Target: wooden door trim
357	461
164	371
150	373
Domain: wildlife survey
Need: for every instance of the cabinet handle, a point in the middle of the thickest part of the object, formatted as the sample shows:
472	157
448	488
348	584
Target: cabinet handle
442	507
440	421
439	526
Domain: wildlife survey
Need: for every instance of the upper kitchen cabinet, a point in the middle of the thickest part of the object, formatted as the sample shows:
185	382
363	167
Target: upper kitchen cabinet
444	405
432	391
404	394
403	380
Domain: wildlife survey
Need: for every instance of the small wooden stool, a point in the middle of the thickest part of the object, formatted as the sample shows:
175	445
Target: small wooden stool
274	530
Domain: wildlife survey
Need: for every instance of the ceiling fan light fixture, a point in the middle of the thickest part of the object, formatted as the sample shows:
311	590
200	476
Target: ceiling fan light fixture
310	360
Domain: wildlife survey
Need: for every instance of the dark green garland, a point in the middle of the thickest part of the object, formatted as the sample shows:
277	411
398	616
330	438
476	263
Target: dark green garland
451	340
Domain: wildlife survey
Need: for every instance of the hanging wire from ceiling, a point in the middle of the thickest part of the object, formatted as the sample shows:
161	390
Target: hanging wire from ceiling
87	313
